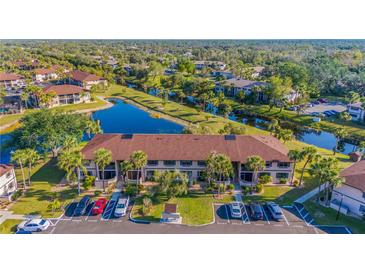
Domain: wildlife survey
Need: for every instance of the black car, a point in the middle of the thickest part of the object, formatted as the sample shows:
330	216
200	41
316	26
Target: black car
82	205
256	211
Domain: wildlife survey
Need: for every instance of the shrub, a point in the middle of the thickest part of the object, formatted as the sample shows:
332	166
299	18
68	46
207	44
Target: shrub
230	187
283	181
55	205
259	188
265	179
131	190
246	190
97	193
296	183
222	188
17	194
140	187
208	190
88	182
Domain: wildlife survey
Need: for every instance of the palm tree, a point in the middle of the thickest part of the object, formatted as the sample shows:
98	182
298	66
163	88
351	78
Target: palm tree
219	167
19	157
139	160
340	134
335	181
273	126
92	127
296	156
71	160
31	157
284	134
103	157
309	155
69	143
125	166
256	164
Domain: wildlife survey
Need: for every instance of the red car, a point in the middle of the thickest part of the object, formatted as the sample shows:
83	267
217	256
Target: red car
99	206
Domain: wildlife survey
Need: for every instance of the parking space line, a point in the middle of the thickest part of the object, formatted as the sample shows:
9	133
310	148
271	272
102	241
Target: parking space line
263	210
247	219
91	209
286	220
225	206
53	229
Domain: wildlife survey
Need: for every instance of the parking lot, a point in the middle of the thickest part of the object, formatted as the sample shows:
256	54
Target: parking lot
223	224
321	108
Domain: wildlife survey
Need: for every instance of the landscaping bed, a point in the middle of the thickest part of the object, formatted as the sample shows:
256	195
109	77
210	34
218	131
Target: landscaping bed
196	208
9	226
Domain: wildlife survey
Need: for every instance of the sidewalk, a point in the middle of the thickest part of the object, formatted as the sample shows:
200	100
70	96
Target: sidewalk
309	195
6	215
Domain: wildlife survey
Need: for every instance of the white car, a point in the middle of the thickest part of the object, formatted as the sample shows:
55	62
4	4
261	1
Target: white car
236	209
121	208
275	211
34	225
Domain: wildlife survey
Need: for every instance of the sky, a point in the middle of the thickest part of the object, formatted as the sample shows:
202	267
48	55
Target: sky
177	19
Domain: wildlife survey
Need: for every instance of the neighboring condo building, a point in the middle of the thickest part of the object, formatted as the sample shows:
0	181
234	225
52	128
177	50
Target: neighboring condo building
11	80
352	191
188	153
356	111
8	184
45	74
67	94
85	79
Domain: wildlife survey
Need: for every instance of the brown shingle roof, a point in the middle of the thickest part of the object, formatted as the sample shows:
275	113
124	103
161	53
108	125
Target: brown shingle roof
355	175
82	76
187	146
63	89
170	208
243	83
9	76
44	71
5	168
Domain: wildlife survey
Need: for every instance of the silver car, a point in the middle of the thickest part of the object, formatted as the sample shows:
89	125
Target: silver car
275	211
34	225
236	209
121	208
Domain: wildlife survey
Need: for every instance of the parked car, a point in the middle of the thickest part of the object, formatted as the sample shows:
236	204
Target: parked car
275	211
236	209
99	206
121	208
82	206
34	225
322	100
256	211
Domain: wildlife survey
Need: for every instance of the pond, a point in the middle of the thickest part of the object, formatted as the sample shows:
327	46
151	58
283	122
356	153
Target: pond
120	118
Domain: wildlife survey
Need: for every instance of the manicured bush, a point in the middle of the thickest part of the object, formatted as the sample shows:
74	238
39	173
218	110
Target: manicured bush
296	183
88	182
230	187
222	188
265	179
17	194
283	181
131	190
97	193
147	205
246	190
259	188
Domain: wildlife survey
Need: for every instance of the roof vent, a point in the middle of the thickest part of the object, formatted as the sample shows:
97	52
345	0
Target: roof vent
127	136
230	137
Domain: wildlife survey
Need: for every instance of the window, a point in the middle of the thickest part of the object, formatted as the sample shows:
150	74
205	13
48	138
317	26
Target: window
246	176
202	163
152	162
186	163
283	164
169	163
268	163
150	174
201	175
282	175
362	208
363	195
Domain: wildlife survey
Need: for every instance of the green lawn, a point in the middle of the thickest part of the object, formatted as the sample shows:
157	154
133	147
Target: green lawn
271	193
7	119
195	208
40	193
327	216
9	226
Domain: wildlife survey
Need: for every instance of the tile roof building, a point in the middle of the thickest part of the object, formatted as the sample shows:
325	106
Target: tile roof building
11	80
67	94
85	79
8	183
188	153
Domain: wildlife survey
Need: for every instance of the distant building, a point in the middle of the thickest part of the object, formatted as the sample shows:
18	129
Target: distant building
352	191
45	74
11	80
24	65
356	111
210	64
224	73
257	71
86	80
233	86
8	184
68	94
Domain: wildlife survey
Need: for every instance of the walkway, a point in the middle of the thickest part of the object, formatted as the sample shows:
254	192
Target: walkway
308	195
8	215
